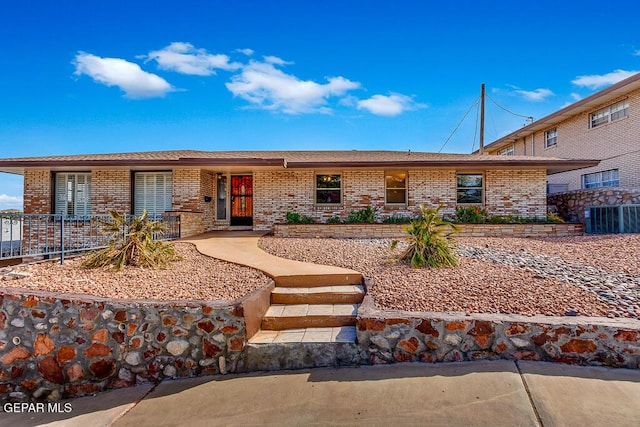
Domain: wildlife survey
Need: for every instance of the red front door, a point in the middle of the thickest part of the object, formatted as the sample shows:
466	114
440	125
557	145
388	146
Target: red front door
241	200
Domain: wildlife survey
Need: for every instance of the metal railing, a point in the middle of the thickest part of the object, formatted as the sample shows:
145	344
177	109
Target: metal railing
55	235
613	219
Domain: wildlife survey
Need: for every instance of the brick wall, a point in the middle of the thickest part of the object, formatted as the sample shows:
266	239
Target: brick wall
516	192
37	191
396	231
277	192
616	143
110	190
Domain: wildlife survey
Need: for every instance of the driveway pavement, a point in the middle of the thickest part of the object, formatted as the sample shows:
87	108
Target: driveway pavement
499	393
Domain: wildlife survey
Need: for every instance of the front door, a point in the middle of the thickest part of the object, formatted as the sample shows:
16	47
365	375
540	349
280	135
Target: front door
241	200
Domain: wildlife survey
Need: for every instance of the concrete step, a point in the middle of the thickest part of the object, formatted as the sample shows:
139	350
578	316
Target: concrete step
302	348
347	294
279	316
308	335
312	280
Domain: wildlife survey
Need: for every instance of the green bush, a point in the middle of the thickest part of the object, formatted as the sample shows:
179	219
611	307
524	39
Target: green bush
132	243
398	219
472	215
555	218
431	241
364	216
334	220
296	218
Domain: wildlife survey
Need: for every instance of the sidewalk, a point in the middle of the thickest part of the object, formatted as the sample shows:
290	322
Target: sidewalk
241	247
499	393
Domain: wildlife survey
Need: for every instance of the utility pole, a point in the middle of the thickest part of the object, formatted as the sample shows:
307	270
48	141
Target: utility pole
481	151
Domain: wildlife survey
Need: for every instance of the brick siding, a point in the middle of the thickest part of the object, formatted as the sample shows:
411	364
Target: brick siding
617	144
110	190
38	187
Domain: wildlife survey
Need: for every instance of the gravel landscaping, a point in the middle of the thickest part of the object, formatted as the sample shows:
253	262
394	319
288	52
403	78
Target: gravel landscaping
195	277
584	276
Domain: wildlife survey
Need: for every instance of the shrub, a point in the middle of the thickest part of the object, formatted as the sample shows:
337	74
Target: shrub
398	219
431	241
334	220
364	216
471	214
296	218
132	243
554	217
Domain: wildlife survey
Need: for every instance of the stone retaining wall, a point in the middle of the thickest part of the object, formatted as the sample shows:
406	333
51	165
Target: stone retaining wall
394	231
54	345
572	204
394	336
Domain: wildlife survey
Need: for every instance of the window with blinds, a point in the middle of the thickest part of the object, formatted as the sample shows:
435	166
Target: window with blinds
73	193
152	192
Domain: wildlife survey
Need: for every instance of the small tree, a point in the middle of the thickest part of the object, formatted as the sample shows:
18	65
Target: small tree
431	241
132	243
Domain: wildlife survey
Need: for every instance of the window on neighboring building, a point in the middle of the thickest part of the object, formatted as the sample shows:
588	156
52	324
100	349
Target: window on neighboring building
610	178
329	189
152	192
507	151
551	138
469	188
395	184
611	113
73	193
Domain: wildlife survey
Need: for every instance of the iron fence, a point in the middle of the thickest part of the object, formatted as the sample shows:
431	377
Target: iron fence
613	219
55	235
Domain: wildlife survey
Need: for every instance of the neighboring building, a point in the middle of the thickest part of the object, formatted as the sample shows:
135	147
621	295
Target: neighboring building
226	190
603	126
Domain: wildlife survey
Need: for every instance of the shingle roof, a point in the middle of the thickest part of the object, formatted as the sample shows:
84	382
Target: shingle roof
289	159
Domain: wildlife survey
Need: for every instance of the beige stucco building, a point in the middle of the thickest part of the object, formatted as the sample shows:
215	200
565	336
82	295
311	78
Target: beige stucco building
603	126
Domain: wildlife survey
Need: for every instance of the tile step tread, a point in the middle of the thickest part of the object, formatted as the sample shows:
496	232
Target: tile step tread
311	310
341	334
343	289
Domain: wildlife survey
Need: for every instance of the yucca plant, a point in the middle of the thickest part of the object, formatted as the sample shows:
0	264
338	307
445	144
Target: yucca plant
132	243
431	241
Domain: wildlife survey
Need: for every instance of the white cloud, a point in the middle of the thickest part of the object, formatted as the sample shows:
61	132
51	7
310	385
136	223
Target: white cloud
126	75
10	202
535	95
575	96
636	53
269	88
275	60
184	58
596	81
391	105
247	52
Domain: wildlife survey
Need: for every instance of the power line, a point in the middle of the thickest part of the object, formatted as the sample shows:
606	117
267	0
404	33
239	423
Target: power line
508	111
460	123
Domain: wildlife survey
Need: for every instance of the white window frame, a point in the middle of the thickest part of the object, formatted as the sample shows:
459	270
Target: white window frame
509	150
481	188
316	188
152	191
551	138
610	113
608	178
387	189
72	193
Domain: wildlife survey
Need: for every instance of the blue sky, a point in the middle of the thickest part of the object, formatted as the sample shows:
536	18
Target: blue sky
95	77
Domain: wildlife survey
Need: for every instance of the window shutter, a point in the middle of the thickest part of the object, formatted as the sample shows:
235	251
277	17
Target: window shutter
61	194
153	192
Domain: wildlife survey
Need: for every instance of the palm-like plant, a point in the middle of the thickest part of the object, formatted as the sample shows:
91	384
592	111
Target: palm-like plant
431	241
132	243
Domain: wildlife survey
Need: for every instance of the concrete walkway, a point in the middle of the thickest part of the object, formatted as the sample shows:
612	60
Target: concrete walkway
499	393
241	247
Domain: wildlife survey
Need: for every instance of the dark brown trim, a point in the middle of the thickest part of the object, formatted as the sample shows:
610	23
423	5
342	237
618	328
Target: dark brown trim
534	162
